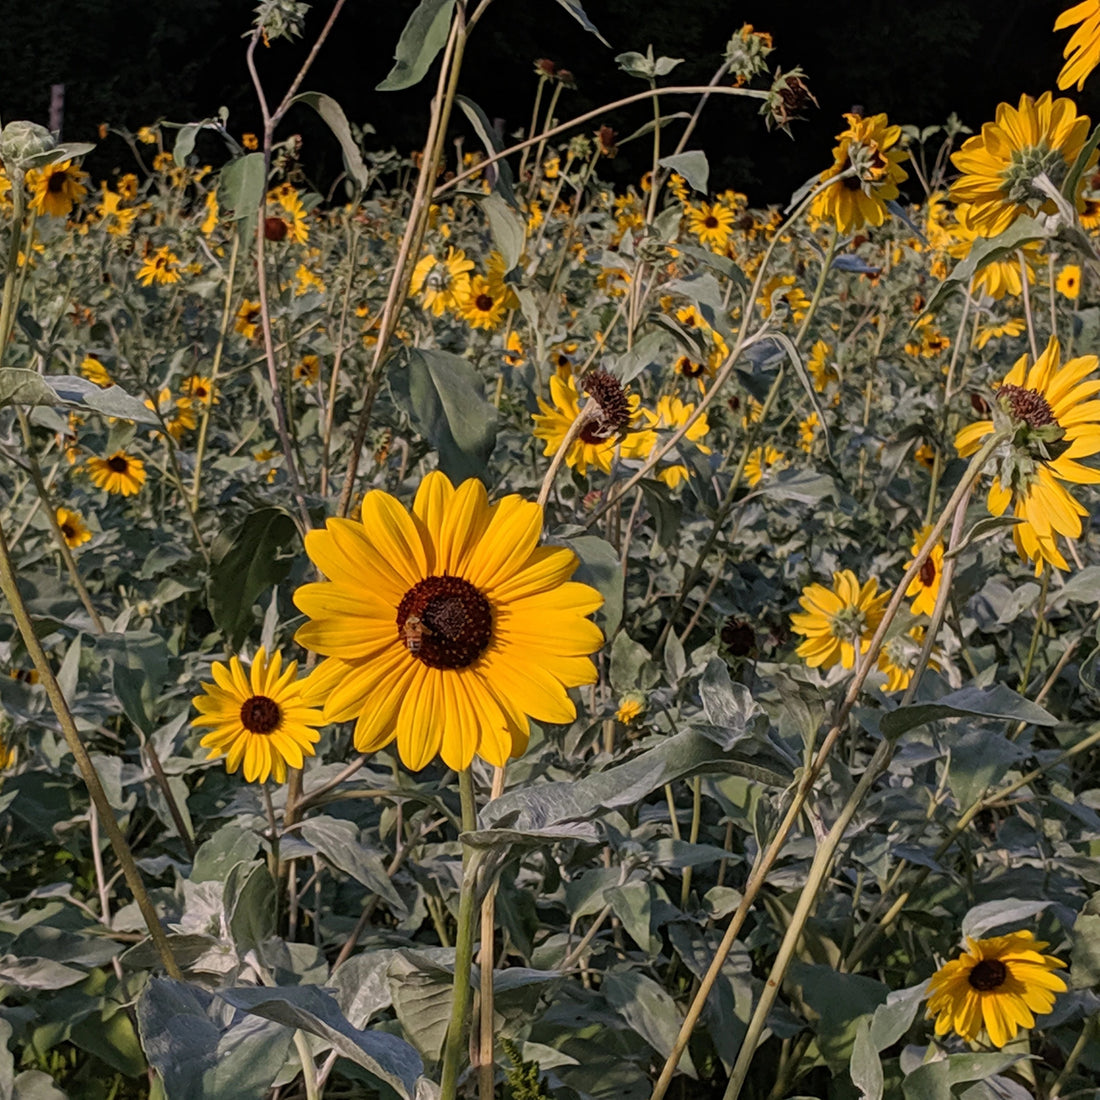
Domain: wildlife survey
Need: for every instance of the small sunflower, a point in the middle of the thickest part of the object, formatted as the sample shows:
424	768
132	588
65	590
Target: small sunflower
212	213
161	267
482	307
284	205
307	370
199	388
1001	164
56	189
72	527
92	369
1068	283
925	586
446	629
712	224
897	660
1000	984
260	720
821	369
118	473
760	461
1082	52
1055	423
780	295
838	620
807	432
177	413
513	353
672	413
442	284
248	319
869	146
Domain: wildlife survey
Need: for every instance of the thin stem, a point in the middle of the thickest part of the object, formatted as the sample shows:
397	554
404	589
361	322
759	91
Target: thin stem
1087	1032
8	302
309	1067
1025	293
486	1065
1040	611
693	835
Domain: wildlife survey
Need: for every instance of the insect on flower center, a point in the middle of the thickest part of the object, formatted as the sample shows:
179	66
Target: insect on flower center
117	464
1030	406
259	714
445	622
988	975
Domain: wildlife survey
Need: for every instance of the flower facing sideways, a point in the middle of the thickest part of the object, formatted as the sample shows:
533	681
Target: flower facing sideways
839	620
447	628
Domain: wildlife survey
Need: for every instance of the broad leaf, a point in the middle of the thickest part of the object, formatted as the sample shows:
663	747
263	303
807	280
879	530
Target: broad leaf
423	37
333	114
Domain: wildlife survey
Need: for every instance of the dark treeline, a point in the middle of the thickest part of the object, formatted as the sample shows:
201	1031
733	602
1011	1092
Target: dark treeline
131	62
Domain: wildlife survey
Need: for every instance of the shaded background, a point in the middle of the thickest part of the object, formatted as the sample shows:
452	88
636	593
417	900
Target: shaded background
131	62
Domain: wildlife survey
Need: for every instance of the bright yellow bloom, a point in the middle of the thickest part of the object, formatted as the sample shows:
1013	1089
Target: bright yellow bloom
513	350
285	205
821	369
1068	283
308	369
147	135
260	720
868	146
713	225
1082	51
117	219
92	369
760	460
836	620
807	432
1013	327
446	629
610	431
925	586
199	388
1000	984
631	708
72	527
250	141
927	341
210	221
482	308
248	319
443	284
56	189
118	473
162	266
897	660
1000	165
774	296
671	413
1055	424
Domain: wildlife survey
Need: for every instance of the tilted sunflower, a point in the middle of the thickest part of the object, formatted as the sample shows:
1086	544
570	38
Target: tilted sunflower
443	284
117	473
672	413
1001	164
160	266
1000	983
925	586
56	189
868	146
72	527
760	461
260	720
1054	425
446	629
837	620
1082	52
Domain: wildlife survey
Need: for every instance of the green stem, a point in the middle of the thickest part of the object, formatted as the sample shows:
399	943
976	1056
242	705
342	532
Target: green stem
8	303
1040	610
464	945
309	1067
693	835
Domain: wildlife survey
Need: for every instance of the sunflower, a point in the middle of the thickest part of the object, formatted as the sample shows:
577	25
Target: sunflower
1082	51
897	660
513	353
780	295
161	266
760	461
807	432
1068	283
248	319
92	369
671	413
613	428
1001	164
996	278
210	220
72	527
868	147
482	308
261	719
443	284
1013	327
1000	984
285	206
56	188
118	473
925	586
713	225
1054	424
446	629
836	620
821	370
178	414
307	370
200	389
117	219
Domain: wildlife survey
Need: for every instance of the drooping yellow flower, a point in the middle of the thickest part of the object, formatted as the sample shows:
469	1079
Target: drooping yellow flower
897	660
1001	164
925	586
513	350
1068	283
92	369
868	146
307	370
260	720
779	294
56	189
446	629
712	224
999	984
821	369
1082	51
760	461
613	428
838	620
212	212
443	284
248	319
996	278
161	266
672	413
1055	424
117	473
177	413
73	528
1012	327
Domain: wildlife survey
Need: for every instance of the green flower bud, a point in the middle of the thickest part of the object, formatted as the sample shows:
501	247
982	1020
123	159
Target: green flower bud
21	142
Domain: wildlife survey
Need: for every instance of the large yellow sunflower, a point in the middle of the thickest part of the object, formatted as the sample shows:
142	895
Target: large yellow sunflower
1054	425
447	628
1082	52
869	146
56	188
999	983
118	473
260	720
836	620
1001	164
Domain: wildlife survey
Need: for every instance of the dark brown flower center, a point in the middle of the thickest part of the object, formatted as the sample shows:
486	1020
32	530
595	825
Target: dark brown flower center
68	530
1030	406
928	573
57	182
445	622
613	417
689	368
710	221
484	302
118	464
988	975
260	714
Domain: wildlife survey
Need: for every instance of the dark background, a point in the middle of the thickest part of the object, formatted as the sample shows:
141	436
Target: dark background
132	62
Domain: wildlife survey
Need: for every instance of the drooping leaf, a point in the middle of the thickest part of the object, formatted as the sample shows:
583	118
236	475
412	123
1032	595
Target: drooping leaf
507	227
577	12
499	171
249	905
338	842
423	37
333	114
241	186
421	992
993	702
19	386
692	165
112	401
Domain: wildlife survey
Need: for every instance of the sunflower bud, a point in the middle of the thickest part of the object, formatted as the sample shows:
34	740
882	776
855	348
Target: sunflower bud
21	142
747	52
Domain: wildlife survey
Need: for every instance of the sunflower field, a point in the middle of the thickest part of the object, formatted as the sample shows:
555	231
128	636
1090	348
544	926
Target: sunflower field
481	631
